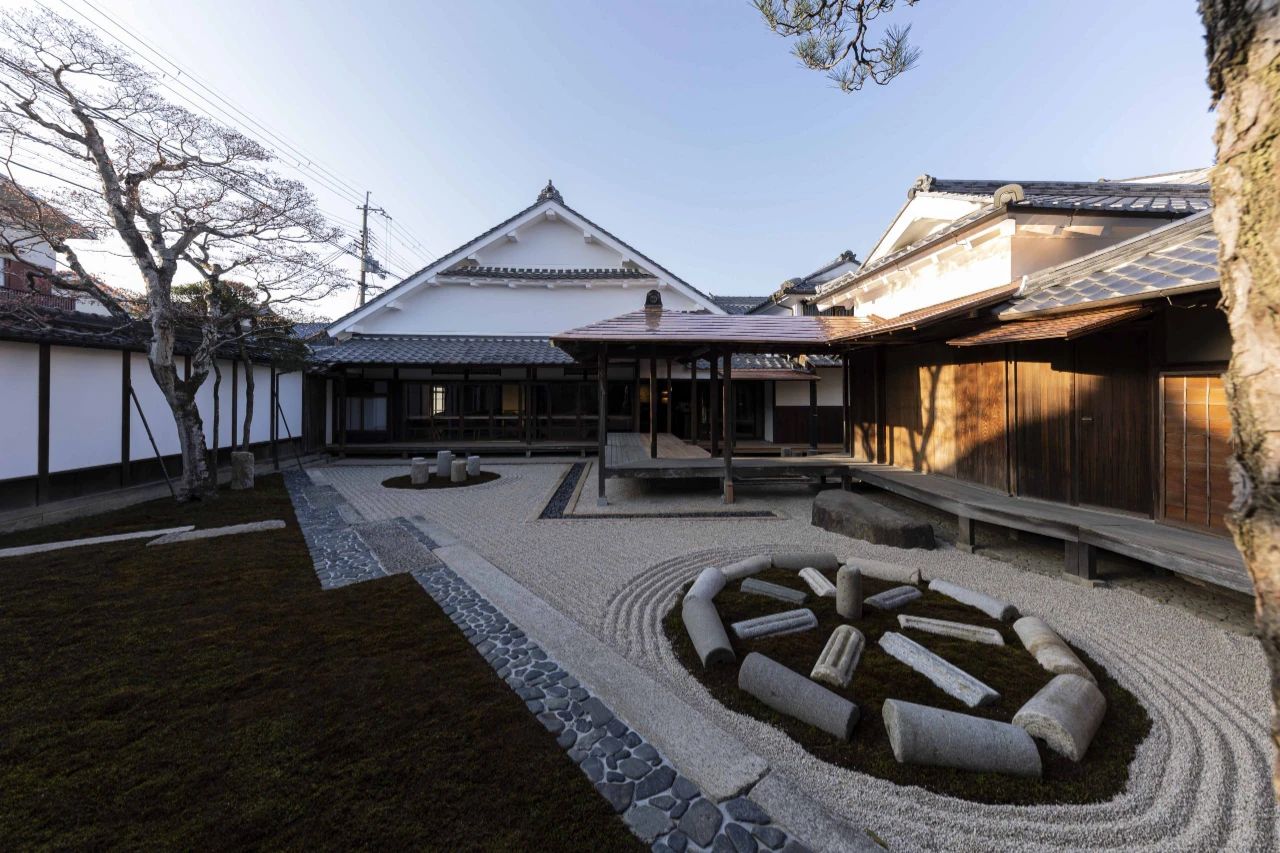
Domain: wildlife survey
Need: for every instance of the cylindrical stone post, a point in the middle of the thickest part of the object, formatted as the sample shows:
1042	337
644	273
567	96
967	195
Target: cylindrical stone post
242	469
933	737
849	592
419	472
473	466
788	692
444	459
706	631
458	471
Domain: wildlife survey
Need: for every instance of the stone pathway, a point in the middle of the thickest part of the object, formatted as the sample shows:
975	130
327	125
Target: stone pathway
659	805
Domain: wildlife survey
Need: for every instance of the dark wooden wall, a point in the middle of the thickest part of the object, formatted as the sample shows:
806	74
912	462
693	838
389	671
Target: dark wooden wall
791	424
1042	420
983	453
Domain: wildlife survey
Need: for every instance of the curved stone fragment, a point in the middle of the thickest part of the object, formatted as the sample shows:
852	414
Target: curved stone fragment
1048	648
840	656
706	631
919	734
1065	714
746	567
891	572
788	692
823	561
787	622
945	628
707	585
773	590
946	676
818	582
891	599
993	607
849	591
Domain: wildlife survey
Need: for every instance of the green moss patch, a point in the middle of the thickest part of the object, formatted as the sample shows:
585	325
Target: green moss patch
438	482
1010	669
211	694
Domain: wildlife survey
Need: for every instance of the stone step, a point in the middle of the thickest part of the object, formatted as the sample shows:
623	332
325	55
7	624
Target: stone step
788	692
993	607
892	599
946	676
787	622
840	657
818	582
933	737
773	590
859	517
945	628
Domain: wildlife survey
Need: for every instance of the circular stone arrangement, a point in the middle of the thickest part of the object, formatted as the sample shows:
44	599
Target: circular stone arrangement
447	472
435	482
868	669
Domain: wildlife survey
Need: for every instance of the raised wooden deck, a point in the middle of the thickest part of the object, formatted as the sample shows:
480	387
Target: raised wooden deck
478	446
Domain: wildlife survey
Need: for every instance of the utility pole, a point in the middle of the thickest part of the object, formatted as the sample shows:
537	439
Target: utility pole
364	243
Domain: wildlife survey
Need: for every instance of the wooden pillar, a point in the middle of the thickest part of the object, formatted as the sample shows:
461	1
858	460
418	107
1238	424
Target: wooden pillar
967	539
602	427
342	415
713	406
813	412
635	395
653	405
42	424
845	394
126	379
671	400
881	428
274	432
695	407
728	420
1081	560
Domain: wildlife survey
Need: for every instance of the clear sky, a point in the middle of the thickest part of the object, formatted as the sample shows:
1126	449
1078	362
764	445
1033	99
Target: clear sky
687	128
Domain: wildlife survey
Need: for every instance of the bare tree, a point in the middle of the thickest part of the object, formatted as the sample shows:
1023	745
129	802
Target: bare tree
1243	46
835	36
177	189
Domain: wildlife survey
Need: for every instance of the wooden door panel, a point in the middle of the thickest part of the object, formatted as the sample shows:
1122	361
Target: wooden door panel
1197	430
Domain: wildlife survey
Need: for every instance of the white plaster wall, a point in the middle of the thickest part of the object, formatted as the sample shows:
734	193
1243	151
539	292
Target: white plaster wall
204	400
157	411
797	393
84	407
957	272
548	243
290	391
19	382
328	411
458	309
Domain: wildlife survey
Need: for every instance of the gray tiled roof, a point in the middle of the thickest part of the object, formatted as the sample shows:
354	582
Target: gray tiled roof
442	349
1177	258
543	274
738	304
307	331
809	284
744	361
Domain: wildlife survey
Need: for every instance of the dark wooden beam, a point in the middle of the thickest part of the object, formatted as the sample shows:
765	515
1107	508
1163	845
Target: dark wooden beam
671	400
126	421
635	395
602	421
342	415
42	425
729	421
274	432
653	406
813	413
845	393
713	406
695	407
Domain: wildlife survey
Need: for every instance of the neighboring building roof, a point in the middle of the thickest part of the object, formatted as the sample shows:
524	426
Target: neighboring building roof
1178	258
766	361
807	285
758	332
930	314
1055	327
1186	176
23	209
309	331
738	304
544	274
442	349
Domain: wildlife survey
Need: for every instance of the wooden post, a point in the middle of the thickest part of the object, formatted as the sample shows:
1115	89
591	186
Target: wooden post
713	406
635	395
653	405
42	424
813	413
671	400
126	420
602	428
342	416
728	419
1081	560
695	407
967	540
845	394
274	432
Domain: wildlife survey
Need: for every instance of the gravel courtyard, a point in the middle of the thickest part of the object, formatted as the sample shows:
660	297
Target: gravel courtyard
1201	780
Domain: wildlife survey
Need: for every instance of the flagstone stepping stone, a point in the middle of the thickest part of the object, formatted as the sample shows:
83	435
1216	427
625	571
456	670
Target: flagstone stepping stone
839	657
419	472
1048	648
444	462
849	592
24	550
215	532
891	572
823	561
458	471
993	607
892	599
788	692
945	628
707	585
473	466
773	590
706	631
1065	714
946	676
859	517
701	822
789	622
746	567
818	582
933	737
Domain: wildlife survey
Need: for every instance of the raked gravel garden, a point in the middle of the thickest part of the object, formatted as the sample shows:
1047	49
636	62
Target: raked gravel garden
1198	780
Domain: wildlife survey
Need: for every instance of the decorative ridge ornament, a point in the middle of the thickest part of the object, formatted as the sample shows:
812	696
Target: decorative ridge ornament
924	183
1008	194
550	193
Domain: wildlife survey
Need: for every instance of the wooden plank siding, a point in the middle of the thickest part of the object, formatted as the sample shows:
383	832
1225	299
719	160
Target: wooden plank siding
981	449
1196	446
1113	416
791	424
1042	397
863	411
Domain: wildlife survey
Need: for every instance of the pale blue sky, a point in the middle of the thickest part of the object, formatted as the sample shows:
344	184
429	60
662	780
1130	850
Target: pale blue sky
687	128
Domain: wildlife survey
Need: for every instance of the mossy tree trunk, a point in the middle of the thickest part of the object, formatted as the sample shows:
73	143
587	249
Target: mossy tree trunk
1243	39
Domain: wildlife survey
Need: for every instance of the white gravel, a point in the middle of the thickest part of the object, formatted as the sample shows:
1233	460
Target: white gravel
1200	781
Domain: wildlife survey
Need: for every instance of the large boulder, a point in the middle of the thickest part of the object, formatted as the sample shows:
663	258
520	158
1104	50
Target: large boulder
933	737
1065	714
788	692
860	517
